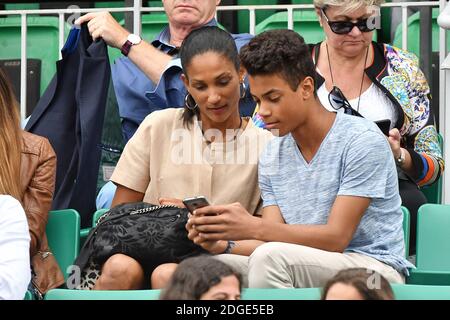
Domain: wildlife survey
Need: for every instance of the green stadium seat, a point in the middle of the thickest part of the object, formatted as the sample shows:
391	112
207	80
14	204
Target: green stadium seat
112	4
414	33
22	6
28	295
63	233
306	24
433	246
384	34
433	193
65	294
42	32
152	24
281	294
154	3
243	15
84	232
97	215
406	227
420	292
401	292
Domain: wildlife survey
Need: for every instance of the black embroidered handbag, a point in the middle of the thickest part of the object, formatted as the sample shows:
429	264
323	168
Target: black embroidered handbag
151	234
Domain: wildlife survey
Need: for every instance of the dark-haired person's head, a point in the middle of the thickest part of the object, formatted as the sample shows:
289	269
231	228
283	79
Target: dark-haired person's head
281	73
210	63
282	52
203	278
357	284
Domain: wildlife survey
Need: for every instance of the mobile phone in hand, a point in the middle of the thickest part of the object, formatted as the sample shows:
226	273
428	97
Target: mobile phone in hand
195	203
384	125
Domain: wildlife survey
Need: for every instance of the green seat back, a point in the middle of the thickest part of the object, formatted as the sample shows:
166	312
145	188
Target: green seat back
260	15
420	292
63	233
85	232
433	193
28	295
97	215
22	6
414	33
42	42
433	238
112	4
281	294
401	292
406	227
306	24
65	294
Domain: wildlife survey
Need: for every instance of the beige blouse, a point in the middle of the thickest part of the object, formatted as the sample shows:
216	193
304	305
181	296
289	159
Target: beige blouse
166	159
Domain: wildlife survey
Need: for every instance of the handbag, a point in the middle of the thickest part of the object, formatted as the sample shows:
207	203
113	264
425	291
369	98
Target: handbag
46	273
150	234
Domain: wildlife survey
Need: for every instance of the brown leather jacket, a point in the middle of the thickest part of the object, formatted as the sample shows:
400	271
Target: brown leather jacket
37	177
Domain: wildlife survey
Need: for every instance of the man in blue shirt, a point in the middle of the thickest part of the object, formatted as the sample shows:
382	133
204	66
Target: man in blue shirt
148	79
328	182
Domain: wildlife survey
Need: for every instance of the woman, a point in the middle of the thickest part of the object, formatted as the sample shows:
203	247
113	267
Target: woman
357	284
380	82
206	149
203	278
27	172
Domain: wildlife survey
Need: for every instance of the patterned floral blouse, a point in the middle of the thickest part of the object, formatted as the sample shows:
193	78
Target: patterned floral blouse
397	73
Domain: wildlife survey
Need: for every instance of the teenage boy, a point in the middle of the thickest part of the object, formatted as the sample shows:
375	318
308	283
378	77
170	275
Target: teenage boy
329	184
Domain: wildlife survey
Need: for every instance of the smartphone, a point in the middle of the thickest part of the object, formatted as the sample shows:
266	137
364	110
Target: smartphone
384	125
195	203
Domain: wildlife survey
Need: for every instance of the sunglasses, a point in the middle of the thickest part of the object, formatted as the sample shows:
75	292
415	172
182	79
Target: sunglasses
338	100
344	27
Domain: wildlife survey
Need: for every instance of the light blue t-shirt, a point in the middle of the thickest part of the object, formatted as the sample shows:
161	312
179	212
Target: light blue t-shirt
354	159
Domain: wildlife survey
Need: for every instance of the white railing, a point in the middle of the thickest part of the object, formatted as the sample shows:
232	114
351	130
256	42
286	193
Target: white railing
137	9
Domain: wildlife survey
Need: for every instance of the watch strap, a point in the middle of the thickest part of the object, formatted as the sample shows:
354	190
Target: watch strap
230	245
126	48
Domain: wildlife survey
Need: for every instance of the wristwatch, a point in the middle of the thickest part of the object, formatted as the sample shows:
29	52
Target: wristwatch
400	160
132	40
230	246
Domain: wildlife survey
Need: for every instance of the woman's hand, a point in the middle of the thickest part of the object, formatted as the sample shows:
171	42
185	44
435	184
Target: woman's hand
394	142
171	202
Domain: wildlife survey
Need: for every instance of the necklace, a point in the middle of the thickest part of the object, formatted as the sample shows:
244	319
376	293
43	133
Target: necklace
362	79
238	129
236	132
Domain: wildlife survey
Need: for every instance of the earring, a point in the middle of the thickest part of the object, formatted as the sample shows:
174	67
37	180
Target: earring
187	104
243	89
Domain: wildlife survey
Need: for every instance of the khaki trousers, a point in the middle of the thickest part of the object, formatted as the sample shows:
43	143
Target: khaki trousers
285	265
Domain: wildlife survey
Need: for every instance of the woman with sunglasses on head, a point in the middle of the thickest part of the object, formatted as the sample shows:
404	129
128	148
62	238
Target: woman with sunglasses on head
381	83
